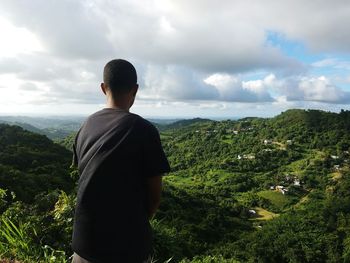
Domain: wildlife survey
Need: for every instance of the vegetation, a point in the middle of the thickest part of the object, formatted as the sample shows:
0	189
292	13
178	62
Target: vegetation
251	190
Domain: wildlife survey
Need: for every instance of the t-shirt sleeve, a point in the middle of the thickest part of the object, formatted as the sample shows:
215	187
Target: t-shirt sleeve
154	159
75	158
74	150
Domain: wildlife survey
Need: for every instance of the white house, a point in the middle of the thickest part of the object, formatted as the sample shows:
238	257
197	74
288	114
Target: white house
296	182
252	211
266	142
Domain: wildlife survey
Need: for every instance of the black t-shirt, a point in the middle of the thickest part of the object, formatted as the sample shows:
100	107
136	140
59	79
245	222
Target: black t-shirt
116	151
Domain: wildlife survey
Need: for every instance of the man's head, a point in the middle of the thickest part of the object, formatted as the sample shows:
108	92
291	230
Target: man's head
120	80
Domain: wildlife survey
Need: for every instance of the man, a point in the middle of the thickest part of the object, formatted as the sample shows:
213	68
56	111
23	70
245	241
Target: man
121	163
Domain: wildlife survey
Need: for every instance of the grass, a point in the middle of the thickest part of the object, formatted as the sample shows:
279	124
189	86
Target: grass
277	199
303	201
227	139
309	159
15	243
13	239
263	214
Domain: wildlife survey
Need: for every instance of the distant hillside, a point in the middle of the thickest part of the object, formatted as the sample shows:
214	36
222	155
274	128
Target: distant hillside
53	128
184	123
313	127
30	163
25	126
70	123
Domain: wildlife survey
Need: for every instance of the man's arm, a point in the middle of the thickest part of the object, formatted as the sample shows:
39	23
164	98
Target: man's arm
154	191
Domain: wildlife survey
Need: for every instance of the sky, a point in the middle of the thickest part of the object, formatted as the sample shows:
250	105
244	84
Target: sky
198	58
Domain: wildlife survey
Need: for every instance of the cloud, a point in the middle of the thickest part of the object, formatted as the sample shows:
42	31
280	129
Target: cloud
296	88
10	65
333	63
67	28
320	25
179	83
320	89
225	36
316	89
28	86
231	88
194	51
184	34
175	83
47	68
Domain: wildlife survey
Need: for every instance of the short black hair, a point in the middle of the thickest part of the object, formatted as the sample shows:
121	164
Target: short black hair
120	76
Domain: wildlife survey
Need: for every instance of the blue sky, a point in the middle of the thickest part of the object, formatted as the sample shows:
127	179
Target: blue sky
194	58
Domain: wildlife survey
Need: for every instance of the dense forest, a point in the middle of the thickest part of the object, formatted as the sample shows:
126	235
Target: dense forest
251	190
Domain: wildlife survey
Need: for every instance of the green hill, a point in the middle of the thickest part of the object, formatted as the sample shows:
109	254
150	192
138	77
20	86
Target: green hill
31	163
249	190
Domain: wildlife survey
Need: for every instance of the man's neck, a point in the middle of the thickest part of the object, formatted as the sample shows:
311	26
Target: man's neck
117	105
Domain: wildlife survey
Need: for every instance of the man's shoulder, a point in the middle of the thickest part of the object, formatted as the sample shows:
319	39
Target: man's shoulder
145	124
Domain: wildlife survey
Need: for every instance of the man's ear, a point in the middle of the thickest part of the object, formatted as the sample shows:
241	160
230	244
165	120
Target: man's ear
103	88
135	89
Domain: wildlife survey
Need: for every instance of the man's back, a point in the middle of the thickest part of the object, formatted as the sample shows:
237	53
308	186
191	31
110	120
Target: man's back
116	152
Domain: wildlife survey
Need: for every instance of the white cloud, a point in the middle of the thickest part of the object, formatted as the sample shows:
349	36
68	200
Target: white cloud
17	40
187	34
231	88
320	25
28	86
320	89
198	51
69	29
317	89
333	63
178	83
175	83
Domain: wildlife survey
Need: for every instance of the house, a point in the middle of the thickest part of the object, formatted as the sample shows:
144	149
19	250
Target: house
267	150
232	131
252	212
336	167
334	157
272	187
281	189
296	182
266	142
249	156
246	156
289	142
284	190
